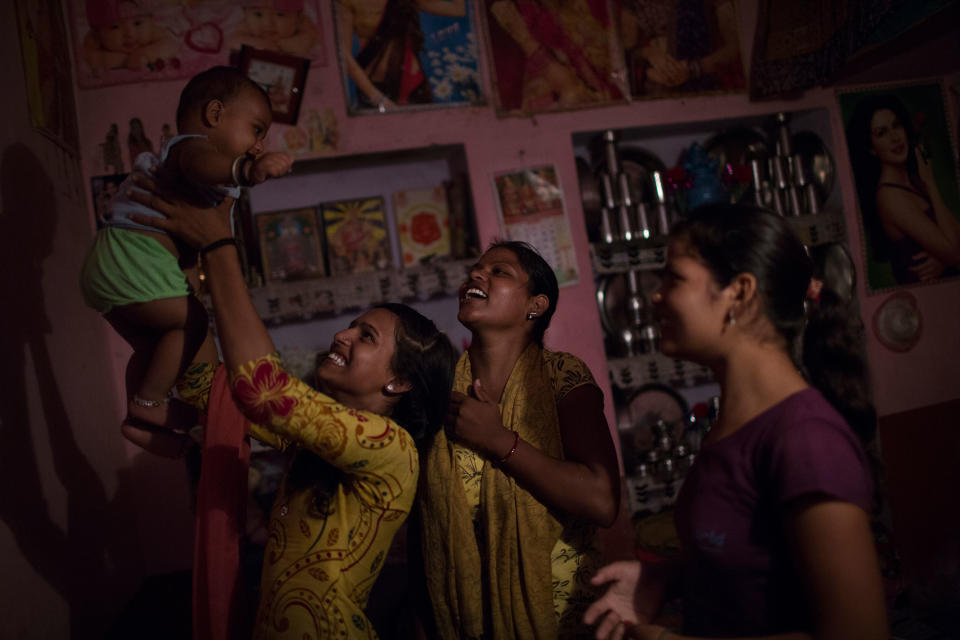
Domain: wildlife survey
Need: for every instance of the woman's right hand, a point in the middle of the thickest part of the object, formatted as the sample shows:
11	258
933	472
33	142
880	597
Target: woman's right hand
196	226
925	170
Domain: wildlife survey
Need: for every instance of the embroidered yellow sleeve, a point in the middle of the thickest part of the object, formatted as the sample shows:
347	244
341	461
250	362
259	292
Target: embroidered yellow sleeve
359	443
567	372
194	385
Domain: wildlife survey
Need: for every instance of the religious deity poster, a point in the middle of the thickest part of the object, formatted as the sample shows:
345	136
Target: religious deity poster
530	204
126	41
356	233
423	224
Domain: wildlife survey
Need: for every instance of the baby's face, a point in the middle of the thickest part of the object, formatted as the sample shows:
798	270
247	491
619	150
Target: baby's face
246	119
287	23
143	29
116	36
261	21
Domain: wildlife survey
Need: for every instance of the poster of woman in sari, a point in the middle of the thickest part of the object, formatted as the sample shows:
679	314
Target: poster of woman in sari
401	54
681	47
124	41
549	55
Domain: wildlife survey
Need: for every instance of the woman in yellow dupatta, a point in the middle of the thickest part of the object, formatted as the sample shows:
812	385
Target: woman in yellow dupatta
513	490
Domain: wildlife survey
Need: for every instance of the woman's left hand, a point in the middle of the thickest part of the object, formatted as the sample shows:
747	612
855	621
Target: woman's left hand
926	266
196	226
474	420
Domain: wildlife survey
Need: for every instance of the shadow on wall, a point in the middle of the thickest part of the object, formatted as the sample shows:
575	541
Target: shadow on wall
94	560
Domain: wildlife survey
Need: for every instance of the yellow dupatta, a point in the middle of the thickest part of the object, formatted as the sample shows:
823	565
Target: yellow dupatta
504	590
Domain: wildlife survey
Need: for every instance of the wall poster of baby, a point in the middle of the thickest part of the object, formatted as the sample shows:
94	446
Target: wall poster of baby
125	41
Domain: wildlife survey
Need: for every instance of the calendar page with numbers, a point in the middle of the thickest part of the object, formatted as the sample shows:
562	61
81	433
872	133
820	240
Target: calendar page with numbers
530	205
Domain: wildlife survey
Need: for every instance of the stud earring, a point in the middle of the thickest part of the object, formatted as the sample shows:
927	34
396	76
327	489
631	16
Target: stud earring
390	387
531	316
730	318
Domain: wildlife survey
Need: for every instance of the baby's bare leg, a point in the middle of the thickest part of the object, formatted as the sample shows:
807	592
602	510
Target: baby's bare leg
166	336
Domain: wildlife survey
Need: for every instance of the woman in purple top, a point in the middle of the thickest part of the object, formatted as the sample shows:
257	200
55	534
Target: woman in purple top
773	516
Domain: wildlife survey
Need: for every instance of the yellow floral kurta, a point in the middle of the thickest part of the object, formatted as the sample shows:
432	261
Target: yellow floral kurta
575	557
320	564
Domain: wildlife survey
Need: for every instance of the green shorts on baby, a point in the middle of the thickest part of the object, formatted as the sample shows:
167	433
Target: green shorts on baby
125	267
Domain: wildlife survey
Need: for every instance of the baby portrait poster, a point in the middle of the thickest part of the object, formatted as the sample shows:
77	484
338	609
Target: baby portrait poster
902	154
124	41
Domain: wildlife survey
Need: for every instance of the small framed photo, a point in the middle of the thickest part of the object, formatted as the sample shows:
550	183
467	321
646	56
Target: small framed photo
103	189
356	233
290	246
281	75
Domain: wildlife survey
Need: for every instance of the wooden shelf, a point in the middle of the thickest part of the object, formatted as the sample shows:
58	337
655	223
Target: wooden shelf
305	300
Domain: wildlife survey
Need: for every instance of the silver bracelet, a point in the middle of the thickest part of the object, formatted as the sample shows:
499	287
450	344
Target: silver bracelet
239	163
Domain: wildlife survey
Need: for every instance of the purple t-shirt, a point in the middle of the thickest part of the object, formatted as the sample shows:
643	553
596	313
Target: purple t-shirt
740	577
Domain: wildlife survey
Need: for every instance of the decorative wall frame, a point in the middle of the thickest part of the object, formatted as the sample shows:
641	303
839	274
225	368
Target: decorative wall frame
282	76
290	247
902	152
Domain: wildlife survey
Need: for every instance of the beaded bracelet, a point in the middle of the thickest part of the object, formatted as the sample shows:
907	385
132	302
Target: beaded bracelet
513	450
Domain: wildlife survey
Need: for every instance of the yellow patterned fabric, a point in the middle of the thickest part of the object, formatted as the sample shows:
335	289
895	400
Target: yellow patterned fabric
530	549
324	551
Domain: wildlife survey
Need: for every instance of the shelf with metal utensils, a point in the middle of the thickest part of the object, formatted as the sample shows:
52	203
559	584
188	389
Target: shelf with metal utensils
305	300
819	228
634	371
621	255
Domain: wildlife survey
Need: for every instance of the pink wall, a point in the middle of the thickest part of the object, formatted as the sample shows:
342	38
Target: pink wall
494	144
92	516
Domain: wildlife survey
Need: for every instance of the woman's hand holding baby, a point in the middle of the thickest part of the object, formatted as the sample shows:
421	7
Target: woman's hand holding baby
198	227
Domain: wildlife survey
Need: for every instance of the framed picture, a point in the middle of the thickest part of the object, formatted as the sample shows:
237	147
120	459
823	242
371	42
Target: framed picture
290	246
553	56
530	204
356	234
423	224
281	75
103	188
408	58
902	154
674	49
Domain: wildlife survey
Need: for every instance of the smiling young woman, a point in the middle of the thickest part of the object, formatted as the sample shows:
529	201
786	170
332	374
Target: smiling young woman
774	516
514	488
354	471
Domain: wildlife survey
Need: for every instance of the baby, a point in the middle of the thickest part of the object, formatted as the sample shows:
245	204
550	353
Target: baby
142	281
124	36
275	25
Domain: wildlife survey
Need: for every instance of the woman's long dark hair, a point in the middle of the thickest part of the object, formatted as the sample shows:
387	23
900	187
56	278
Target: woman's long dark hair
425	358
866	165
542	280
825	338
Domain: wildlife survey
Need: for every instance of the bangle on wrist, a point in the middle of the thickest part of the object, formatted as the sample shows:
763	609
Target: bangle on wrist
238	171
216	244
513	449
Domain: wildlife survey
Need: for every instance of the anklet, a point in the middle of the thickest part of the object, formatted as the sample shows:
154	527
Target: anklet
149	404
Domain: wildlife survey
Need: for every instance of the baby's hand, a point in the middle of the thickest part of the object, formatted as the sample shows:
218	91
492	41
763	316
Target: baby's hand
273	164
